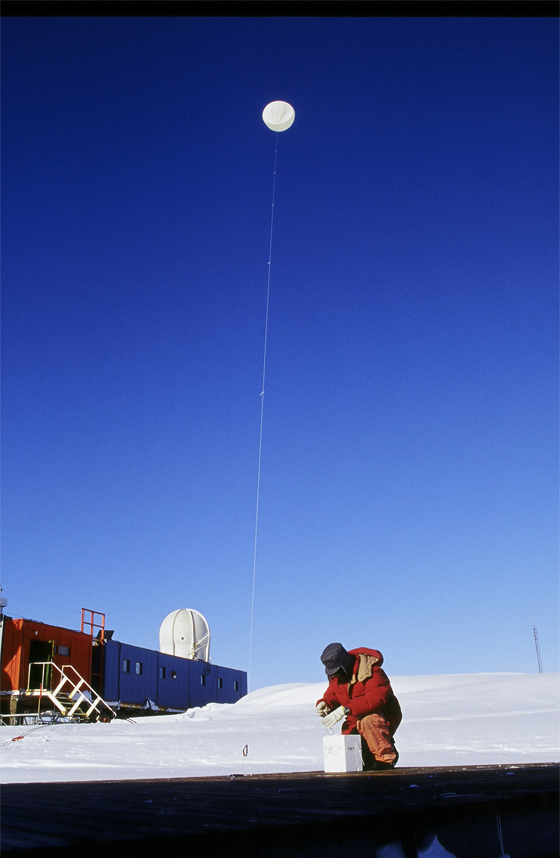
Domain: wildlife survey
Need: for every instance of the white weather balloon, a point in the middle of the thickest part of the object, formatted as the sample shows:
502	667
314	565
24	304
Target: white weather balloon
278	115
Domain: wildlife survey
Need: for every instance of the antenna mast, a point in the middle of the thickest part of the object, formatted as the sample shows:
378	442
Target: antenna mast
536	636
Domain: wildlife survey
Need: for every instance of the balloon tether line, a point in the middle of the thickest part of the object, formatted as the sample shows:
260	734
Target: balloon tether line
262	414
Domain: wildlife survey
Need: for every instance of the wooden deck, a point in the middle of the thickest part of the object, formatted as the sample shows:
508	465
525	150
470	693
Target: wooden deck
303	814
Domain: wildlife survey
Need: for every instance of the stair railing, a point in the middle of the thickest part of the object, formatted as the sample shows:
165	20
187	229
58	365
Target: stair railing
73	686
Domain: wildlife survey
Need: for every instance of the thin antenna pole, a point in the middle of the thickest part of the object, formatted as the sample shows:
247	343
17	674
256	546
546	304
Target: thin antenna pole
536	636
262	415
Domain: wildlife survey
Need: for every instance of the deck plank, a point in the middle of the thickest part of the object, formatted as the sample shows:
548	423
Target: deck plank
266	808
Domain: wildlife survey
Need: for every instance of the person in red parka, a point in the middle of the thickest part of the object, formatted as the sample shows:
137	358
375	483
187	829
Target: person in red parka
360	692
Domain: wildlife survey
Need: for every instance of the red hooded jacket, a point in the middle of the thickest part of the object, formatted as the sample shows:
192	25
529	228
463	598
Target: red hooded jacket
369	693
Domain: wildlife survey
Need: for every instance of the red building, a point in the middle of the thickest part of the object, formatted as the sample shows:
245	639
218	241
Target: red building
26	642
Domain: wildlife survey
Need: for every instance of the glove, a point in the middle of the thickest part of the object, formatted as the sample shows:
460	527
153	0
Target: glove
333	717
321	709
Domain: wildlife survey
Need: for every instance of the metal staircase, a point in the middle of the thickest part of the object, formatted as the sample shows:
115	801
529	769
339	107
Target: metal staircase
72	699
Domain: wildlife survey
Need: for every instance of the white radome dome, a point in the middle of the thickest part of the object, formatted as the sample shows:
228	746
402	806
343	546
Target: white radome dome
185	633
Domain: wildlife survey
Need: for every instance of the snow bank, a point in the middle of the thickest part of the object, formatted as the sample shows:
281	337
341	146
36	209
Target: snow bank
447	720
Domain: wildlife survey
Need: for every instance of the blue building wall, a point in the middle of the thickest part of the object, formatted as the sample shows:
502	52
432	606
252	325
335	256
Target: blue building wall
134	675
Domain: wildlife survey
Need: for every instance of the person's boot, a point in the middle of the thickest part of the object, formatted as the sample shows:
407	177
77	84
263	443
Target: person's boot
380	766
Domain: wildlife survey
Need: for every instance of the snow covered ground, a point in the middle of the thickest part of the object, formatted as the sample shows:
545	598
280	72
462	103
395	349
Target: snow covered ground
471	719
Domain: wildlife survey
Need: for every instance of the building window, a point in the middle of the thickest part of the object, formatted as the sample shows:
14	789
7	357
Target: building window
63	650
220	683
173	674
162	673
203	680
138	668
126	665
235	685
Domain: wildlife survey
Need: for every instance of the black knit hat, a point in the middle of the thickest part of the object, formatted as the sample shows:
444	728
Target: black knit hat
334	657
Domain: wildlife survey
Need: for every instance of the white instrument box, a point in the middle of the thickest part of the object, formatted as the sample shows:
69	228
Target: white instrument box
343	753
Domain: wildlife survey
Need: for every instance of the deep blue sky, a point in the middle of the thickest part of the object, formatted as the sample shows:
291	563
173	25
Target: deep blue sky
409	493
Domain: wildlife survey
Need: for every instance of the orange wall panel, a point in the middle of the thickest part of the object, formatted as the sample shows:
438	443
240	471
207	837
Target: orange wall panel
18	635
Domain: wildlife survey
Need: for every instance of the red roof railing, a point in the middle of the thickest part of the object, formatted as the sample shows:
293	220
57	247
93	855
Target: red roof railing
89	622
